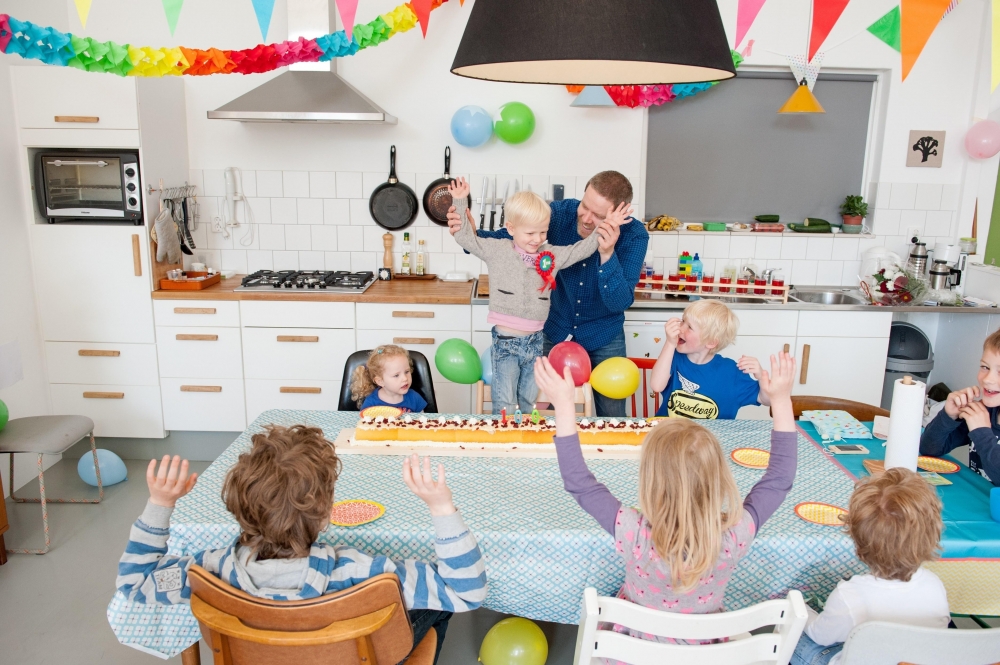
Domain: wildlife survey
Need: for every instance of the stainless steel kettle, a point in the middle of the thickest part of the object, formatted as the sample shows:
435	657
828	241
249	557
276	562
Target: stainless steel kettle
940	275
918	256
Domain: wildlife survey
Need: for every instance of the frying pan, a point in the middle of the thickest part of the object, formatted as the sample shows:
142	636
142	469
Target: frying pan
437	200
393	205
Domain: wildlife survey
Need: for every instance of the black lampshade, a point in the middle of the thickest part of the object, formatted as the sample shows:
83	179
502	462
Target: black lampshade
595	42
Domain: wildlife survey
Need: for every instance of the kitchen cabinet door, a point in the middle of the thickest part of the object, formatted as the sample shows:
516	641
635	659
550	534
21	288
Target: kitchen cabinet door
117	410
65	98
92	283
846	367
265	394
203	405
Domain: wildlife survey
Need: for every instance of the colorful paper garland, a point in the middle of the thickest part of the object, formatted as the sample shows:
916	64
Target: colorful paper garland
655	95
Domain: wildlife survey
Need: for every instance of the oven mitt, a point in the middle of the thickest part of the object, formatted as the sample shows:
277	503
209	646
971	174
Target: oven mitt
168	247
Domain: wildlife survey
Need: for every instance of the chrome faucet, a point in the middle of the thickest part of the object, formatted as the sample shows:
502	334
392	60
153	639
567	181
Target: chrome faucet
748	270
768	272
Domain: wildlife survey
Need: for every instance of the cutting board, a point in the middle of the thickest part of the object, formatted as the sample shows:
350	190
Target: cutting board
483	288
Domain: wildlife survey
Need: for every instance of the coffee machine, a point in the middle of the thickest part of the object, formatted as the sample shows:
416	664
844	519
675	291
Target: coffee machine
948	267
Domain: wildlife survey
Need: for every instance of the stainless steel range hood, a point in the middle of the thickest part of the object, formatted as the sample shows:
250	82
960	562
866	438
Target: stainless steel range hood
310	92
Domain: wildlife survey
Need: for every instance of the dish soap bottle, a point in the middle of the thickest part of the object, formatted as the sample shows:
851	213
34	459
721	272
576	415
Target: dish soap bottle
420	257
405	268
697	269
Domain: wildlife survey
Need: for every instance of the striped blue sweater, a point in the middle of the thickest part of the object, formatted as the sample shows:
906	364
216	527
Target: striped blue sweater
457	583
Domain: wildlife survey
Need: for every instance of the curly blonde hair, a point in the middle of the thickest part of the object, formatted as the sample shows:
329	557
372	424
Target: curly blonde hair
363	380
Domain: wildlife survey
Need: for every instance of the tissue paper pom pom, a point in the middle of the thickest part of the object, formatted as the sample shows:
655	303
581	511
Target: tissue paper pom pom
400	19
336	45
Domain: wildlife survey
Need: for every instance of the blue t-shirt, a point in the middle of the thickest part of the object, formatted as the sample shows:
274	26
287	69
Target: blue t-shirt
716	389
412	402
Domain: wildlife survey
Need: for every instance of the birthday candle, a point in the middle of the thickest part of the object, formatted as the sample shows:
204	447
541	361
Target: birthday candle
503	416
535	416
517	416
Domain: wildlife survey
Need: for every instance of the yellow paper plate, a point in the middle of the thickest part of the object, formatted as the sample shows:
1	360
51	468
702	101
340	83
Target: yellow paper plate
381	412
820	513
752	458
355	512
937	465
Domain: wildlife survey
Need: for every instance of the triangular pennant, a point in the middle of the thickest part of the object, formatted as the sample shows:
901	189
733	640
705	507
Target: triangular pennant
887	28
825	15
593	95
918	20
746	12
263	9
422	8
951	6
172	8
805	70
83	9
348	9
996	45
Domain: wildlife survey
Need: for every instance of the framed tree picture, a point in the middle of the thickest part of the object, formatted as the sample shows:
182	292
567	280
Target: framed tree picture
925	148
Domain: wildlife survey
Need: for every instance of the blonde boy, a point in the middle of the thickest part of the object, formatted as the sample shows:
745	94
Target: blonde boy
695	381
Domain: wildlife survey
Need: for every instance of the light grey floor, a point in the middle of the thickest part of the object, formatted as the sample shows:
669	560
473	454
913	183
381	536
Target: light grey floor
52	607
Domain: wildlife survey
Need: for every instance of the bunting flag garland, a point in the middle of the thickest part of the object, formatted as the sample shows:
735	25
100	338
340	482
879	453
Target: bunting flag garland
825	15
887	28
172	8
263	10
655	95
803	69
746	12
347	10
422	8
83	10
918	20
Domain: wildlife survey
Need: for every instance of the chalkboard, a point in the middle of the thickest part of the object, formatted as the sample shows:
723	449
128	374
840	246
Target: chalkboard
727	154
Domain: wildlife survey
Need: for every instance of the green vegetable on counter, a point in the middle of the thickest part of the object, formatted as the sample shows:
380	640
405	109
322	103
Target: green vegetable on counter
811	225
767	218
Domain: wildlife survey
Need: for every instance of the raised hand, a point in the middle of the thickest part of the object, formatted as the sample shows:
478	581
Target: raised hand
777	387
171	482
672	329
435	494
559	390
750	365
455	220
960	399
620	215
458	188
975	415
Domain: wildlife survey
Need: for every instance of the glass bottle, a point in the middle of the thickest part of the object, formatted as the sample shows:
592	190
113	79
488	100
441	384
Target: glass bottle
405	269
420	257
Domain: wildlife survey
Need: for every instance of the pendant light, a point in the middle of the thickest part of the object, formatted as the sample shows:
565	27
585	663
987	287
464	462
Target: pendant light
595	42
802	101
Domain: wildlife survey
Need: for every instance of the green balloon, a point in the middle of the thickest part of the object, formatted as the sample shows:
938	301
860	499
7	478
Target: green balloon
514	641
514	123
458	361
4	415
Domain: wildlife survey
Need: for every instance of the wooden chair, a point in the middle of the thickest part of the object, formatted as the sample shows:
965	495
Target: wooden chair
645	365
366	624
863	412
884	643
584	398
788	616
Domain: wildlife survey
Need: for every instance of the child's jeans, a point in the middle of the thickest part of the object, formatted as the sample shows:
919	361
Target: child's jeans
513	385
423	620
808	652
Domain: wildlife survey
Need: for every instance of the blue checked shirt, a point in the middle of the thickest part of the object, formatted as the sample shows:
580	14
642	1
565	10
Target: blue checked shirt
590	298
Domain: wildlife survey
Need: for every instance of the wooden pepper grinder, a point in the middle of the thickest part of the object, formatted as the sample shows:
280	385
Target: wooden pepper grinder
385	272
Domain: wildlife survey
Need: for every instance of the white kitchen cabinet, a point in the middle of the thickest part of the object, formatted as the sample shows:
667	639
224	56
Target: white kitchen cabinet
844	324
66	98
212	405
479	314
101	363
198	313
296	314
296	353
453	397
846	367
199	352
410	317
264	394
117	410
92	283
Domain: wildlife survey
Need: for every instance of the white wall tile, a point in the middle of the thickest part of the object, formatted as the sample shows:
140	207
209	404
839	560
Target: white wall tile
883	194
196	179
567	181
938	223
910	219
849	276
539	184
243	237
248	180
336	211
234	259
663	244
369	181
903	197
210	257
284	211
295	184
365	261
784	266
768	247
337	260
324	238
298	237
693	244
829	272
793	247
950	195
259	260
408	178
310	211
439	263
360	216
286	260
887	221
272	236
261	210
215	183
928	197
200	234
845	249
372	238
716	246
708	266
433	237
864	244
468	263
803	272
218	241
349	185
424	179
322	184
742	246
311	260
269	184
819	249
350	239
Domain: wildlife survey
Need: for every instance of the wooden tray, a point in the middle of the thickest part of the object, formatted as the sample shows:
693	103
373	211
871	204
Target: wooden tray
424	276
171	285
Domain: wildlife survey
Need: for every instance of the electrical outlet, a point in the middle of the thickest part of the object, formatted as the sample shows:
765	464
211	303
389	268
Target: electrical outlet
912	232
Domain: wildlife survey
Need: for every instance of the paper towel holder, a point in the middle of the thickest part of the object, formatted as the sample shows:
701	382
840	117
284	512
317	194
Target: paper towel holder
907	380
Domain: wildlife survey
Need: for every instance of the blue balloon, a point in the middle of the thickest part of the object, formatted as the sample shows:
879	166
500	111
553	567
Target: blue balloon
113	469
472	126
487	362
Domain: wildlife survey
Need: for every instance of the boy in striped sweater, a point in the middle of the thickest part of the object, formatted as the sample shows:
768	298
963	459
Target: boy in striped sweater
281	493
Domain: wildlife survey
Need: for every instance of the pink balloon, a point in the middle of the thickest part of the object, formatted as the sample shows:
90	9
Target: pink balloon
574	356
983	139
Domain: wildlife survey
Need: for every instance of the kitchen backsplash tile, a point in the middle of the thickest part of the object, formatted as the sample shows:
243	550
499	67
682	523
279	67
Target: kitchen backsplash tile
271	236
295	184
360	216
286	260
348	185
311	258
819	249
928	197
269	184
298	237
284	211
324	238
261	209
350	238
903	196
323	184
234	259
336	211
310	211
259	260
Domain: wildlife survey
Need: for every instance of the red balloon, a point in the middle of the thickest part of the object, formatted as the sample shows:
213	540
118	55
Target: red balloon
574	356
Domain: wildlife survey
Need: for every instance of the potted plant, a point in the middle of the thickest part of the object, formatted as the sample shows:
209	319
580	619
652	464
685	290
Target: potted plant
853	209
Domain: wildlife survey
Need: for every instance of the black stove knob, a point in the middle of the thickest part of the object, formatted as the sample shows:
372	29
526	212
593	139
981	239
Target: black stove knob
130	187
130	172
132	201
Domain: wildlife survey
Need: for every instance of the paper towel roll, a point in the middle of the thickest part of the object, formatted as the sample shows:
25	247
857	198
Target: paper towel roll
905	420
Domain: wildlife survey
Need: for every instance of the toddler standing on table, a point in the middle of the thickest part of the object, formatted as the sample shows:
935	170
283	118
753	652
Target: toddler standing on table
522	275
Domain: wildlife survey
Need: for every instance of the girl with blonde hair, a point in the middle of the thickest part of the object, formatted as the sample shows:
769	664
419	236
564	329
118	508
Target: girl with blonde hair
385	380
682	544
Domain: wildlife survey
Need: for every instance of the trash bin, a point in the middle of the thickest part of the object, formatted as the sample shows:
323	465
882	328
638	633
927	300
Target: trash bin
910	353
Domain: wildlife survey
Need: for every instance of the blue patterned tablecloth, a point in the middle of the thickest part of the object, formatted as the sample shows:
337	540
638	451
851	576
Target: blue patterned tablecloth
541	549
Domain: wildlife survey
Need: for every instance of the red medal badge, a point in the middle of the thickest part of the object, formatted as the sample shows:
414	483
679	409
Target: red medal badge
546	267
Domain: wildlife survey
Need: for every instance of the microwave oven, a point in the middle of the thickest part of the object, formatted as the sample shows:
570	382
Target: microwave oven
88	185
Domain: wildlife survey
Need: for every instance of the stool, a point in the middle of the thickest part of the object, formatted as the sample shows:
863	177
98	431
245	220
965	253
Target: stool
47	435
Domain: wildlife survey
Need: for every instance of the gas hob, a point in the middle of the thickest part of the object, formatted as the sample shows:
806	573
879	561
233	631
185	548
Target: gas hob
308	281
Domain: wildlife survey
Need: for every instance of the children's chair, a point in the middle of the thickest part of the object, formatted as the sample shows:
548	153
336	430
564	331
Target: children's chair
584	400
788	616
645	365
423	381
366	624
884	643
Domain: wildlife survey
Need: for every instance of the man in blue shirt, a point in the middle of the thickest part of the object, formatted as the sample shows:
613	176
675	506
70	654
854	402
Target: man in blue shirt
591	296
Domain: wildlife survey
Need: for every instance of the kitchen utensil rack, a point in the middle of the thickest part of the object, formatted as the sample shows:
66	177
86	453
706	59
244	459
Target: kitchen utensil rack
664	290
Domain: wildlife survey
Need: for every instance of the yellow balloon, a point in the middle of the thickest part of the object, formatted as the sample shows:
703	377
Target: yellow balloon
616	378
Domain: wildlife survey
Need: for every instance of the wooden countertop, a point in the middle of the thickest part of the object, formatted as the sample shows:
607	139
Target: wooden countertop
426	292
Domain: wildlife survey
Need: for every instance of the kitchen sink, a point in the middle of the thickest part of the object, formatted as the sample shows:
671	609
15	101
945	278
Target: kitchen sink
828	296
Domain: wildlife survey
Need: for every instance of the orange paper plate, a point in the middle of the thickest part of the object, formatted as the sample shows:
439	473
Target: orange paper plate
381	412
820	513
752	458
937	465
355	512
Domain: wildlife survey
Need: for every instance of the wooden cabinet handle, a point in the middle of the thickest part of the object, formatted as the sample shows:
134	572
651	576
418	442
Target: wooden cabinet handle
300	389
412	340
413	315
99	395
198	338
98	353
298	338
194	310
201	389
786	348
136	256
804	374
91	119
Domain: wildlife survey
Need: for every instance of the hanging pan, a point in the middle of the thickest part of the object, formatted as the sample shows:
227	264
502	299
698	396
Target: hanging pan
393	205
437	199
